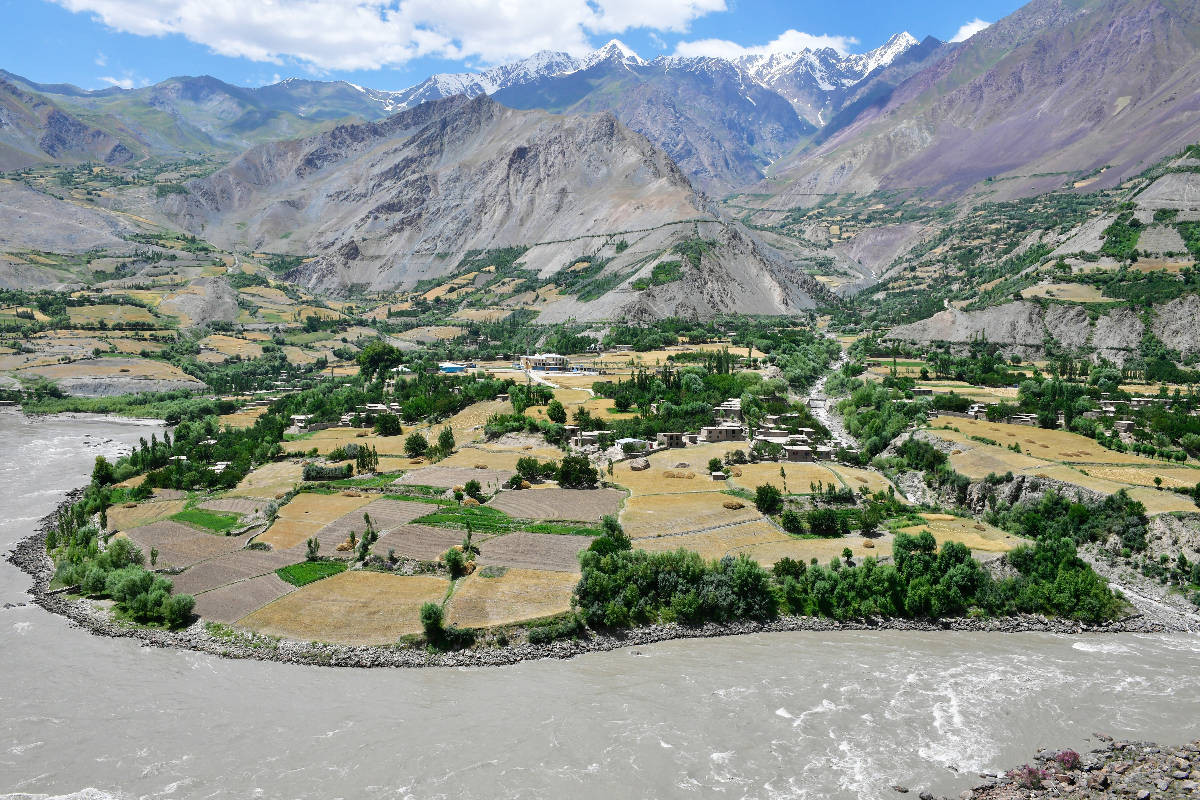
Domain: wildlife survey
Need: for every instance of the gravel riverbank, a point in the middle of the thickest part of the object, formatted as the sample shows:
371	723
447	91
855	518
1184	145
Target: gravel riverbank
1115	769
30	556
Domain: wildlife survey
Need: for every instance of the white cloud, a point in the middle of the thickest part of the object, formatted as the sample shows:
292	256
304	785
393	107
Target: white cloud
790	41
101	59
367	34
124	83
969	29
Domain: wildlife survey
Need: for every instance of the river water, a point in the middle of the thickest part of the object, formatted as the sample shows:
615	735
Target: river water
800	715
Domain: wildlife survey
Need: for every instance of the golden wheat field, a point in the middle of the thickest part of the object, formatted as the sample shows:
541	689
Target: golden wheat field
242	419
354	608
270	480
1159	502
90	315
231	346
795	479
1053	445
1075	292
1172	477
857	478
518	594
975	535
121	518
662	514
821	549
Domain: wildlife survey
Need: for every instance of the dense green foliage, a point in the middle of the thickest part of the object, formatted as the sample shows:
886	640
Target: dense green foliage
307	572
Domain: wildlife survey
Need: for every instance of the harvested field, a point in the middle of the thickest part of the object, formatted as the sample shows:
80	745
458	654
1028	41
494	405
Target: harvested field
113	368
230	603
333	438
978	460
1053	445
430	333
449	477
271	479
821	549
385	515
517	595
718	543
91	315
798	476
481	314
229	568
422	542
544	551
241	419
121	518
582	505
286	534
653	481
234	505
231	346
1074	292
1061	472
321	508
1172	477
861	478
1157	502
354	608
467	424
663	514
494	457
975	535
181	546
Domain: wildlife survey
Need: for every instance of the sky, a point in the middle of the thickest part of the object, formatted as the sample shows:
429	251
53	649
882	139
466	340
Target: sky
392	44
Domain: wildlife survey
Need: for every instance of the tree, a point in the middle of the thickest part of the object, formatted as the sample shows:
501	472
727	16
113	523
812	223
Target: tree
472	488
556	413
313	546
415	445
577	472
431	620
388	425
792	521
445	441
378	357
768	499
715	465
455	563
102	473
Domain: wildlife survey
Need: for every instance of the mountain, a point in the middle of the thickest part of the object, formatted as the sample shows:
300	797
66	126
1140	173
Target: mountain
386	204
721	128
1057	91
35	130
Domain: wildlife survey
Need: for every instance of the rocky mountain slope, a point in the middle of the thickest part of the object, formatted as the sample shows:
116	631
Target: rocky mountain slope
386	204
35	130
1050	94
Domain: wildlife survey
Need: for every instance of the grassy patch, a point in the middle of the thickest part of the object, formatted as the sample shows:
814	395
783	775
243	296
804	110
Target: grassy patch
373	482
214	521
307	572
484	519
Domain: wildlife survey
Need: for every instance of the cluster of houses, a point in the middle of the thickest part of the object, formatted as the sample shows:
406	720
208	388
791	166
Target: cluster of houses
1109	409
796	443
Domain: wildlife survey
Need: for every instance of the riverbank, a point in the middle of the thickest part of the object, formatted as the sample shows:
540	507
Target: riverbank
1139	770
30	557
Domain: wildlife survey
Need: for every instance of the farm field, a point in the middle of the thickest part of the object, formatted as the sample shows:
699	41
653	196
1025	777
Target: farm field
665	514
544	551
1070	458
179	545
270	480
1054	445
495	456
109	314
654	481
121	518
795	479
233	601
449	477
975	535
715	544
581	505
422	542
518	594
1074	292
306	515
353	608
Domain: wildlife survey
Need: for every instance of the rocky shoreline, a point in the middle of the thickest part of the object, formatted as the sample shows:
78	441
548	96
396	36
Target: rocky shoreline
30	557
1140	770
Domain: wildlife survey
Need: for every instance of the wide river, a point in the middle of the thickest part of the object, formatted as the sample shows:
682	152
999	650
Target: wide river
781	715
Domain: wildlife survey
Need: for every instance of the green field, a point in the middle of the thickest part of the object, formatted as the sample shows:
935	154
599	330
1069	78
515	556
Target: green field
307	572
214	521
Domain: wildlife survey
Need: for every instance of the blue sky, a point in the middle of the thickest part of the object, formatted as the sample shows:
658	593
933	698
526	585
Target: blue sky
390	44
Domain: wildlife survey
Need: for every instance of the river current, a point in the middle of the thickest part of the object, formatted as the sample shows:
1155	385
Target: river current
803	715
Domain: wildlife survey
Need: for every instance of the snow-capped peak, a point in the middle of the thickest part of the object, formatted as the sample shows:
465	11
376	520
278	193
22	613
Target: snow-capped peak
614	50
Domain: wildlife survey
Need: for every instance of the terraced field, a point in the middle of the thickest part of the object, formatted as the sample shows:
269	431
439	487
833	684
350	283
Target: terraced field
518	594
